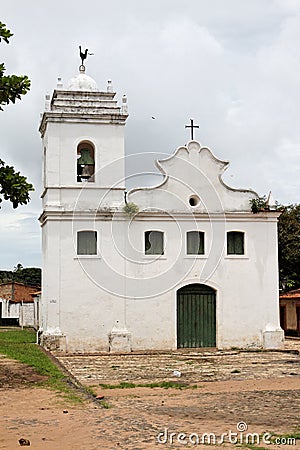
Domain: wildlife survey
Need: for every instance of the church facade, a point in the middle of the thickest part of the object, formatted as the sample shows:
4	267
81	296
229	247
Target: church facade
183	264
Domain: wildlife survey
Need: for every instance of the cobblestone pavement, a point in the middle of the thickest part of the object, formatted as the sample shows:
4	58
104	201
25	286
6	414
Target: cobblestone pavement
261	389
194	366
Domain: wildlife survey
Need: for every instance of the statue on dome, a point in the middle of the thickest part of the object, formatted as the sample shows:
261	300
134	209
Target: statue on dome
83	55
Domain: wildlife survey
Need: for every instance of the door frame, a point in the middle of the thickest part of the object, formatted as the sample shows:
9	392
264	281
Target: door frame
211	285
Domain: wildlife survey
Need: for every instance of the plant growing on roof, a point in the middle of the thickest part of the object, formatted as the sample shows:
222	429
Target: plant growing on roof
258	204
130	209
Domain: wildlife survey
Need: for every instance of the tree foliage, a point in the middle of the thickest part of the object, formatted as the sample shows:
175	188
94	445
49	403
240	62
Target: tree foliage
289	247
11	86
27	275
5	34
13	186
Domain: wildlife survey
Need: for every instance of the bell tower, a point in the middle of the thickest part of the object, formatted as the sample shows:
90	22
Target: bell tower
82	130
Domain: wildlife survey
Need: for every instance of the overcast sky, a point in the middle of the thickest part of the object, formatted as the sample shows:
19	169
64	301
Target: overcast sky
232	65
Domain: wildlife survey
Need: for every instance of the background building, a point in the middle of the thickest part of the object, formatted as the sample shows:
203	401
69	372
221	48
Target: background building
18	304
290	312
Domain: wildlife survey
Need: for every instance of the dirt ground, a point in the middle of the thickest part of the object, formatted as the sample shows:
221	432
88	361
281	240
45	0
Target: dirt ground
259	391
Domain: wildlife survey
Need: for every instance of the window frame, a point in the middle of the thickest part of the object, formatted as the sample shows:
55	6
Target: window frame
161	233
236	255
188	233
86	255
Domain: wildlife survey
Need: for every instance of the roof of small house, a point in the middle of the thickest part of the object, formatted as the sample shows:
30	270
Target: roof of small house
18	282
34	294
291	294
17	292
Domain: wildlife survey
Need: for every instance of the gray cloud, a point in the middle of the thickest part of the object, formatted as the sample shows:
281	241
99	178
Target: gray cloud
233	66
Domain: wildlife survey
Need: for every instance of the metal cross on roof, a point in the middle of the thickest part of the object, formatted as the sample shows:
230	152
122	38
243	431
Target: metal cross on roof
192	126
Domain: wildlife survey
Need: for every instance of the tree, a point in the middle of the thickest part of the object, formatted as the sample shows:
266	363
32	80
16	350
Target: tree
18	268
31	276
289	247
13	186
27	275
11	86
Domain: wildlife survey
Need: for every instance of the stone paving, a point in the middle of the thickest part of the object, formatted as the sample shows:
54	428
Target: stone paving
192	366
259	389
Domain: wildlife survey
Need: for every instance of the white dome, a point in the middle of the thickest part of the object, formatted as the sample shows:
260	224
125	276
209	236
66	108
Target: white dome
82	82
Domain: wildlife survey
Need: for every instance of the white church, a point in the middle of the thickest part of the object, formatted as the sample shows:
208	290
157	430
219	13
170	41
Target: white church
183	264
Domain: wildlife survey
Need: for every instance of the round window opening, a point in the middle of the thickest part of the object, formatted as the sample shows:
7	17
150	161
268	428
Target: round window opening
194	200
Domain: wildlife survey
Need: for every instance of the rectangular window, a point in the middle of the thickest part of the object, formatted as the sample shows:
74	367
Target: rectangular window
195	243
87	243
235	243
154	243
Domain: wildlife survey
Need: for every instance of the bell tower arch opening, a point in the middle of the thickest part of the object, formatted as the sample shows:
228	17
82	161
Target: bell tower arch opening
85	162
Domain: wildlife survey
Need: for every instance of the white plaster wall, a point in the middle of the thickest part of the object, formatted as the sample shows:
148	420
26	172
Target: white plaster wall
51	239
13	310
24	312
82	198
27	316
37	306
61	141
247	298
193	170
85	298
4	303
122	286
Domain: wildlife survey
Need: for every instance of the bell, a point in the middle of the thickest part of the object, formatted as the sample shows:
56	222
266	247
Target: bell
85	158
87	172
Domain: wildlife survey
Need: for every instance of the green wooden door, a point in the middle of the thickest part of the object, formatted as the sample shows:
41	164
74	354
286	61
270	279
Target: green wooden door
196	316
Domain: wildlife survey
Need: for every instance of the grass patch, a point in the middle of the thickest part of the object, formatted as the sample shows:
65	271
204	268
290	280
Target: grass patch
91	390
255	447
161	384
20	345
105	405
294	435
275	439
286	438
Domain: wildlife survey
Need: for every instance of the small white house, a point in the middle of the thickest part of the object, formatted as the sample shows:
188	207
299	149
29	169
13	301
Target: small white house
184	264
18	304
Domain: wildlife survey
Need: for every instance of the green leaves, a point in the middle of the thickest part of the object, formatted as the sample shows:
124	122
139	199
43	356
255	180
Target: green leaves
11	86
258	204
289	247
5	34
288	242
13	186
131	209
27	275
